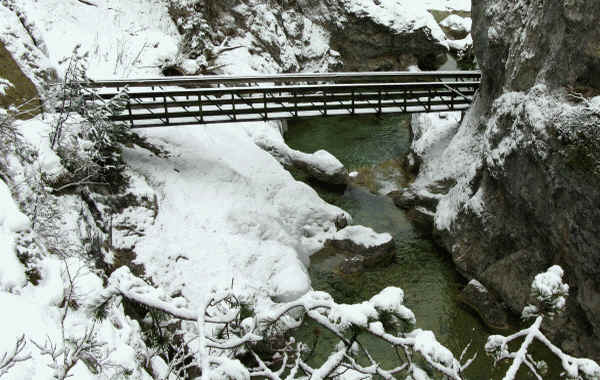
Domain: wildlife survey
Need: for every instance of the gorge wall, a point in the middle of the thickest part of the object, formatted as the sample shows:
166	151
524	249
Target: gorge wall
523	194
308	35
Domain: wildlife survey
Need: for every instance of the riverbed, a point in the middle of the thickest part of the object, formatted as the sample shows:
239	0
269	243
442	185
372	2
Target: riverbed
375	147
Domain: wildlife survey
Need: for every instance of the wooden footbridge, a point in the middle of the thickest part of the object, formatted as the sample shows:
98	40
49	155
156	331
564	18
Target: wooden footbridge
221	99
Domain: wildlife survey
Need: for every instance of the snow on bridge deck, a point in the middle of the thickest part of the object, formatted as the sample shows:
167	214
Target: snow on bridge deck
220	99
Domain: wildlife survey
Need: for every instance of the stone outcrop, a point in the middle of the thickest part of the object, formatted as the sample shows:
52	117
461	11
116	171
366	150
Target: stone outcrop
486	304
526	160
367	44
308	35
21	89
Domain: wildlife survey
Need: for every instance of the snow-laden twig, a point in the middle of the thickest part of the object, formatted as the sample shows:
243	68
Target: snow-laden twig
549	292
9	359
4	85
223	311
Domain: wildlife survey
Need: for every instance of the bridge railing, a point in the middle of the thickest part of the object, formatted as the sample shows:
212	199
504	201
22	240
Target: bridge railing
196	100
296	78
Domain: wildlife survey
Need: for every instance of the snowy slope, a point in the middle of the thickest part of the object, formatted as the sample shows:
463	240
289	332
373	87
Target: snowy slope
123	38
228	213
36	313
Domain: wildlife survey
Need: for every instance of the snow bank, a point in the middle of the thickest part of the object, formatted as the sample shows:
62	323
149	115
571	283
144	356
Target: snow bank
227	212
224	205
321	164
12	221
124	39
35	311
30	54
447	152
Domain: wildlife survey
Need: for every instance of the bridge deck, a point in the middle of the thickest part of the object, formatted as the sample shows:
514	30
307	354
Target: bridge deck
192	100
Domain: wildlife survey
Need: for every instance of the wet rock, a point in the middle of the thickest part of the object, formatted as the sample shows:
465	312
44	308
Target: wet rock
367	46
489	307
341	221
354	264
365	247
422	219
408	198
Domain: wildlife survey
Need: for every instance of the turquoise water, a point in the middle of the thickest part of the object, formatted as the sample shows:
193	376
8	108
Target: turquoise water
425	273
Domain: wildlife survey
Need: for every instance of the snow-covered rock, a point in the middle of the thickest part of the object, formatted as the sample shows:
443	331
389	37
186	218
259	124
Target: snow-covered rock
365	247
312	36
320	165
457	24
461	45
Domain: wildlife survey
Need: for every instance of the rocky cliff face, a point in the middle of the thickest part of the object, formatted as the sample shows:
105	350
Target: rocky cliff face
524	165
309	35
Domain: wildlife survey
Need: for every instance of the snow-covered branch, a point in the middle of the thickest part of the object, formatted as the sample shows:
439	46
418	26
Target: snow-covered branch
9	359
549	292
346	321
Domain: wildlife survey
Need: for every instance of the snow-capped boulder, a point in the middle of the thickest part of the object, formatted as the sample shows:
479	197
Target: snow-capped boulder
320	165
457	25
366	248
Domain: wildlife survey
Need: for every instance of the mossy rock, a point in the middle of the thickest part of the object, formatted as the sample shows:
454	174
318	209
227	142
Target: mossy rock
23	91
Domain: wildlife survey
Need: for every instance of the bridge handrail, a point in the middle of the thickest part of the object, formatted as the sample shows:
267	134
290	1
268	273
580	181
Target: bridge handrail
424	76
331	88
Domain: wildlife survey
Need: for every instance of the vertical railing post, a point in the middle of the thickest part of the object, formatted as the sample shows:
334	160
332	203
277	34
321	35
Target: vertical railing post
130	114
353	106
233	106
166	109
325	102
429	99
452	100
405	101
200	110
379	100
265	104
295	104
